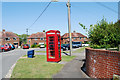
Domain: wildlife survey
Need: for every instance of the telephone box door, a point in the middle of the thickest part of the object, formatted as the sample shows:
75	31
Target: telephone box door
51	48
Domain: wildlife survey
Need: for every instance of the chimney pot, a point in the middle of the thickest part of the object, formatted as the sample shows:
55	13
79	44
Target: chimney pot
74	31
3	30
43	30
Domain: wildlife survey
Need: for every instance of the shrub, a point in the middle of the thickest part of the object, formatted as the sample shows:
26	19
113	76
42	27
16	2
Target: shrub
45	45
38	45
104	34
95	46
33	46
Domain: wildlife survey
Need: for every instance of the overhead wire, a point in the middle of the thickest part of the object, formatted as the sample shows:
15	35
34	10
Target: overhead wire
39	15
107	7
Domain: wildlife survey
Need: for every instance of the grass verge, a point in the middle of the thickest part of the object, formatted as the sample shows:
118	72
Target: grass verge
37	67
40	51
45	51
79	50
76	51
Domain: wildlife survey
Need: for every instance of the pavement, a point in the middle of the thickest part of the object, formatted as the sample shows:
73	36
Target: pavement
72	69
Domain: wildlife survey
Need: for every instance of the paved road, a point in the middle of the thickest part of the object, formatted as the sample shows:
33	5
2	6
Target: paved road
9	58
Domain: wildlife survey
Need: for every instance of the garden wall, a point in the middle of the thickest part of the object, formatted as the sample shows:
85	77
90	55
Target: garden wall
102	63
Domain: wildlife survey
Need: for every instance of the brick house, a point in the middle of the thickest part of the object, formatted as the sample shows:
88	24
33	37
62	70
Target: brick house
76	37
37	38
0	38
9	37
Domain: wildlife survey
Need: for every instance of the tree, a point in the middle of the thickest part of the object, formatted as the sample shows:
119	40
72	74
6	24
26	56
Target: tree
22	38
104	34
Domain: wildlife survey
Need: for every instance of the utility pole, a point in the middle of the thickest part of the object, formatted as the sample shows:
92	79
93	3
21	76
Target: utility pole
119	10
69	26
27	31
27	34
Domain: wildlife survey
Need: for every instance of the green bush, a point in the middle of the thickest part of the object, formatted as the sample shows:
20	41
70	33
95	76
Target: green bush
86	42
33	46
95	46
38	45
45	45
104	34
100	46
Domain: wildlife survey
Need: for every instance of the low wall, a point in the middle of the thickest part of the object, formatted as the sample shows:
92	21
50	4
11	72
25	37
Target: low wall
102	63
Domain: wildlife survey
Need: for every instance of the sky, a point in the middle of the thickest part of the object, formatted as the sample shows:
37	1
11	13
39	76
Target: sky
17	16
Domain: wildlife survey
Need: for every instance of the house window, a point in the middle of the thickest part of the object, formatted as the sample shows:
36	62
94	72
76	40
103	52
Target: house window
84	37
74	38
35	43
7	39
80	37
36	39
41	38
14	38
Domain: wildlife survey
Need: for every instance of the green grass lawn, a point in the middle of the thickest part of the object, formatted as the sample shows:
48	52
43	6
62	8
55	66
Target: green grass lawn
40	51
79	50
37	67
76	51
45	51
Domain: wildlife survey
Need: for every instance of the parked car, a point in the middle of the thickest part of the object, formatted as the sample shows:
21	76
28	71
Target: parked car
0	49
68	46
8	46
85	44
4	48
76	44
12	46
64	46
25	46
42	46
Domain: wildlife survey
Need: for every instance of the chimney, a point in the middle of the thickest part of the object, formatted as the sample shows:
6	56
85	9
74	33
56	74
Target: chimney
43	30
3	30
74	31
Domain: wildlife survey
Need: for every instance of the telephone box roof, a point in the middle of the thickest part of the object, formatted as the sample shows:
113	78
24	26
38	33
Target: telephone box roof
53	31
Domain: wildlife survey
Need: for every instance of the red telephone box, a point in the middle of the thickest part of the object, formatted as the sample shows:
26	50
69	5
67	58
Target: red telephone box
53	48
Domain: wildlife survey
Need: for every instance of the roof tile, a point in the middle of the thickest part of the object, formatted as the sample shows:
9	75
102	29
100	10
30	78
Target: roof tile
66	35
38	35
8	34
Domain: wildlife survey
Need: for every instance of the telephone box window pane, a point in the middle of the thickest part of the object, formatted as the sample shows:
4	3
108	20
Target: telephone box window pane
58	42
51	42
51	48
52	54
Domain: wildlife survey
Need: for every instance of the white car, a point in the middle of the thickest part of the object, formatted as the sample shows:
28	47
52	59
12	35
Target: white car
85	44
42	46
